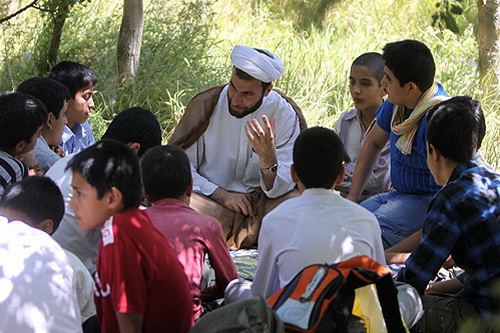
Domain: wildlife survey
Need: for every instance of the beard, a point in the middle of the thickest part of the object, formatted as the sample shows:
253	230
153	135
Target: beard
246	110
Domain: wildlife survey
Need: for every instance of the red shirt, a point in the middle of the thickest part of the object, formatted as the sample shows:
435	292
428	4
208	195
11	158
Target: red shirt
193	235
138	272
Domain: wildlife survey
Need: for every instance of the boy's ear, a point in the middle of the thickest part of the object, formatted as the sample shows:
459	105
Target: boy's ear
295	176
49	123
135	146
47	226
189	189
413	88
147	197
19	147
115	199
340	177
434	153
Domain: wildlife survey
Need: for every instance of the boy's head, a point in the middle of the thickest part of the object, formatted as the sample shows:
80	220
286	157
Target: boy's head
21	120
36	201
407	61
166	173
106	180
137	127
80	81
456	129
318	157
54	96
367	72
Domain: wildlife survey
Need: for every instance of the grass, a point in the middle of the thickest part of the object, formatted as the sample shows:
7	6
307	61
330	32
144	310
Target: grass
186	47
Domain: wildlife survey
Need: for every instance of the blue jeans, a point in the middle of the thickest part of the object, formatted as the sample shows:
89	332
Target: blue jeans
398	214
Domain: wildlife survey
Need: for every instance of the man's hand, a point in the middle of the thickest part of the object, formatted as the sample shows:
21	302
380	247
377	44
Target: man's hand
58	150
237	202
262	140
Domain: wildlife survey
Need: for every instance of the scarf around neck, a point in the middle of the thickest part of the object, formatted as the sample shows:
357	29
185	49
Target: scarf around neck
407	129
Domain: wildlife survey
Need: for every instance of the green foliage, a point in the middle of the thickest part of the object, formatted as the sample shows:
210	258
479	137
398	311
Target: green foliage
451	15
186	47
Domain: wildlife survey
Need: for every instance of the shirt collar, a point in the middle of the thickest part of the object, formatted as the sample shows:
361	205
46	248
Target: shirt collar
170	202
461	167
352	113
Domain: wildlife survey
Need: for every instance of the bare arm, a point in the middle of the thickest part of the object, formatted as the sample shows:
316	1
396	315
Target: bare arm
445	287
398	253
130	322
374	143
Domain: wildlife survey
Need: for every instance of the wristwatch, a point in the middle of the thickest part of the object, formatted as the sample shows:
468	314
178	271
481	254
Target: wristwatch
273	168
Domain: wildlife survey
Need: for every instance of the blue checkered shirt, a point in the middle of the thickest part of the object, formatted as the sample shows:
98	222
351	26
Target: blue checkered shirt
463	220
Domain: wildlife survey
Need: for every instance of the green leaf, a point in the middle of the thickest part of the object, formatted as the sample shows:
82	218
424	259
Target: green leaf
457	9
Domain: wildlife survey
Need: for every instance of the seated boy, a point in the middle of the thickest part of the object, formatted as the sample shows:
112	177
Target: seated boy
31	301
411	92
38	202
462	221
80	81
140	130
367	72
167	181
54	96
319	226
141	286
21	119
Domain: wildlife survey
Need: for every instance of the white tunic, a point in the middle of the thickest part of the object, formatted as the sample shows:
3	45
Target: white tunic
317	227
223	156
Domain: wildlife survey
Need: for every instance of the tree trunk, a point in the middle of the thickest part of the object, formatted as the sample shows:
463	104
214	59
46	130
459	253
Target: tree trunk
129	42
489	43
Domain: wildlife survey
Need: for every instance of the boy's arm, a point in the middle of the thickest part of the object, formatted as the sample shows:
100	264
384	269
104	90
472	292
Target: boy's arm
452	286
130	322
368	156
398	253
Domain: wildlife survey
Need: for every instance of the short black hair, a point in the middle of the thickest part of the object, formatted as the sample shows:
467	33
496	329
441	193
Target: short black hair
410	61
108	164
318	155
73	75
38	197
456	127
166	172
135	125
374	62
53	94
21	115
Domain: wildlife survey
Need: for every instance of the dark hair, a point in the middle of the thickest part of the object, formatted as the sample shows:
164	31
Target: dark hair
73	75
166	172
247	77
135	125
374	62
38	197
20	117
53	94
410	61
107	164
456	127
318	154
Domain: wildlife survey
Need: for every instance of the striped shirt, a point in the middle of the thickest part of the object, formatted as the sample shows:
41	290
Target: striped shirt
409	173
12	170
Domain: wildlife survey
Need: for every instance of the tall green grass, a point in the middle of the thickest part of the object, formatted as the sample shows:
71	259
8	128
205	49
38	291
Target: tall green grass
186	47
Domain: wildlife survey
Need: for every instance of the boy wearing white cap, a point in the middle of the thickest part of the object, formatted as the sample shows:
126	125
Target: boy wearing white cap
239	138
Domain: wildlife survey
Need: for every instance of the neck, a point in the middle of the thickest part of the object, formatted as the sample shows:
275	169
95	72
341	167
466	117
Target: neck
367	117
413	102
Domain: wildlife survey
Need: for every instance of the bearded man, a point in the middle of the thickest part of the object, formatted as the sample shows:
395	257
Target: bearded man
239	138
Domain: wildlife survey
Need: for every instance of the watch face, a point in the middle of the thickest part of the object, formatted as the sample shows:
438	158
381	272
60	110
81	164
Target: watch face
273	168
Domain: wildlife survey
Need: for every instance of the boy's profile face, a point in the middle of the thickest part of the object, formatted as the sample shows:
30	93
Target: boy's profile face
54	135
90	212
366	90
395	93
79	107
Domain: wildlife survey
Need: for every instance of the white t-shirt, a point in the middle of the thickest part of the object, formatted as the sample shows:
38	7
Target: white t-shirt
317	227
85	245
36	292
223	156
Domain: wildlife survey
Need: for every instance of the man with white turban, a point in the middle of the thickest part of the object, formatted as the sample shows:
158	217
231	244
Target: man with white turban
239	138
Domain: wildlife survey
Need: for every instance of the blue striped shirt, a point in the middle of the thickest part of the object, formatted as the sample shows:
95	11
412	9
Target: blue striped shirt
464	221
409	173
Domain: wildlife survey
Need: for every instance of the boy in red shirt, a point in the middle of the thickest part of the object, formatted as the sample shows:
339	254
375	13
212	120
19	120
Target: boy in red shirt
141	287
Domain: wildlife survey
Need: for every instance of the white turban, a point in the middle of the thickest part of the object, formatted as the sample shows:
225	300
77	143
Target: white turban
264	67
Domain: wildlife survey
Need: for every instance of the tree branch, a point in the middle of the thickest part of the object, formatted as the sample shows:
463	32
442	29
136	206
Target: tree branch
18	12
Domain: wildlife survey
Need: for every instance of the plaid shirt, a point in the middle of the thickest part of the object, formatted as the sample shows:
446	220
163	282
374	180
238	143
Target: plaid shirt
463	220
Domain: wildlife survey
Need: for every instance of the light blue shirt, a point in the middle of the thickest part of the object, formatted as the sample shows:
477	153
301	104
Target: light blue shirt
77	138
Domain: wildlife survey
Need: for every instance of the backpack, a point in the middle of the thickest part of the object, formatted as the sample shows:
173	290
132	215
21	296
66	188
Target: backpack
321	297
252	315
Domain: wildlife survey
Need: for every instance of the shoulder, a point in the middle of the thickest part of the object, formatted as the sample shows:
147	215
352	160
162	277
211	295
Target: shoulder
384	115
